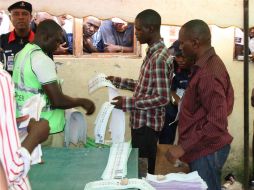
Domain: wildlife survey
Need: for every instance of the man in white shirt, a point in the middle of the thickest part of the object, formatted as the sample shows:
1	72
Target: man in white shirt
14	156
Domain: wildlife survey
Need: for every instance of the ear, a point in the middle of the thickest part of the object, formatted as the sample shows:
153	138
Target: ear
195	43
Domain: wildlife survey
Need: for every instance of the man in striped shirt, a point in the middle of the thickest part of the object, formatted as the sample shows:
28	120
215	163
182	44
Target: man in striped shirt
204	140
14	156
151	90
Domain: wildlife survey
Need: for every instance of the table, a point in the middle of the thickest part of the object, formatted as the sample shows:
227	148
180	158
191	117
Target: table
71	169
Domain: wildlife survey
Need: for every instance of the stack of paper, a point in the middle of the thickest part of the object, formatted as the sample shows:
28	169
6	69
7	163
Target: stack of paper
177	181
116	184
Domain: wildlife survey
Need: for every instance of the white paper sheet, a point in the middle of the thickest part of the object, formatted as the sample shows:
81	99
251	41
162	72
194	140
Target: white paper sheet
115	184
33	108
99	81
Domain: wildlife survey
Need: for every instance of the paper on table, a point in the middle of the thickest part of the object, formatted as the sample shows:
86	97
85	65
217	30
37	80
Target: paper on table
117	161
32	107
115	184
99	81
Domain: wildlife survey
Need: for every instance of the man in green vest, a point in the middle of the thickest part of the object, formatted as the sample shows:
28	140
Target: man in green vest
34	73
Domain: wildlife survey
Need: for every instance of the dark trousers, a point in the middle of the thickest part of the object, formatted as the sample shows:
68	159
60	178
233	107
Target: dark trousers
167	135
145	139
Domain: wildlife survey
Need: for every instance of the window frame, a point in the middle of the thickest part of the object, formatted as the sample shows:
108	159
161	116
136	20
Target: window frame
78	46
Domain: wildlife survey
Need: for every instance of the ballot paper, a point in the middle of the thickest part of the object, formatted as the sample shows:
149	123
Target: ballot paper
99	81
32	107
101	122
117	122
177	181
117	161
115	184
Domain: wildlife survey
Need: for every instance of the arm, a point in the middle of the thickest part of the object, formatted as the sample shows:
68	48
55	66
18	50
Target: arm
123	83
61	101
88	45
252	97
111	48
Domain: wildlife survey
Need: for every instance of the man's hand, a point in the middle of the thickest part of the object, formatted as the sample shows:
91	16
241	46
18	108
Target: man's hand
61	49
174	152
111	78
38	132
88	105
38	129
111	48
252	97
117	101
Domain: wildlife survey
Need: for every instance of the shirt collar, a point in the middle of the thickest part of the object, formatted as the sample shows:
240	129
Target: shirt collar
155	46
201	62
12	36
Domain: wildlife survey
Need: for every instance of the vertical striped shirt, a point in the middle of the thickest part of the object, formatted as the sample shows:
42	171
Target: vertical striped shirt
151	90
14	158
207	102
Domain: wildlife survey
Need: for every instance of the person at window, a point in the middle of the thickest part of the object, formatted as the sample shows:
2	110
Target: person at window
14	41
35	72
117	36
151	92
15	157
91	25
65	47
251	42
204	139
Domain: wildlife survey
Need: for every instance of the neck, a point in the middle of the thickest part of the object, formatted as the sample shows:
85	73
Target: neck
155	38
202	51
22	33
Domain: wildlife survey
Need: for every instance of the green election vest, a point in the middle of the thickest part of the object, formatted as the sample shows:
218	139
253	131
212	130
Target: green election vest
27	85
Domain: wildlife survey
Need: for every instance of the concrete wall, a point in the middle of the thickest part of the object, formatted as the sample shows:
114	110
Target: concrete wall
77	71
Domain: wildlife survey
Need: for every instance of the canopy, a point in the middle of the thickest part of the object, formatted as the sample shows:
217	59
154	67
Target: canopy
222	13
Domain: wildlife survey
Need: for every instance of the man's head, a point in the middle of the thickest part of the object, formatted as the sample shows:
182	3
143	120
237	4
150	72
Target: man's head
91	25
119	24
147	25
41	16
251	32
194	37
49	35
20	15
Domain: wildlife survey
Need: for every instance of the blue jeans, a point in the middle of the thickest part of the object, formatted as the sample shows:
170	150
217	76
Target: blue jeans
209	167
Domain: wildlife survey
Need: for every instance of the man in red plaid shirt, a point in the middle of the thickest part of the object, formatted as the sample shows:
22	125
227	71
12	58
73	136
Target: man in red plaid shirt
151	92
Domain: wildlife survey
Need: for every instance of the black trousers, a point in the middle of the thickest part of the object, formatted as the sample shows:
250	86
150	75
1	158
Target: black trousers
145	139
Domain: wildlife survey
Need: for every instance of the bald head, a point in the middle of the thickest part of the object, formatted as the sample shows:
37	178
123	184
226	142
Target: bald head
41	16
197	29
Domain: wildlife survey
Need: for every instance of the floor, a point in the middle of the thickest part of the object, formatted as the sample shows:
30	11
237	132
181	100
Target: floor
163	166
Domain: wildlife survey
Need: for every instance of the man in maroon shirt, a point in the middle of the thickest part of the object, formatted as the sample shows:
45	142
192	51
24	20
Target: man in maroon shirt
204	140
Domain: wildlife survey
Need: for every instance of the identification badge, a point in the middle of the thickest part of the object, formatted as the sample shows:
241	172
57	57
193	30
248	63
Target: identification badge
10	62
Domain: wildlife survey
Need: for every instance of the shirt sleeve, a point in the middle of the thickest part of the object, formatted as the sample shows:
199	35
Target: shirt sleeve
43	67
124	83
14	158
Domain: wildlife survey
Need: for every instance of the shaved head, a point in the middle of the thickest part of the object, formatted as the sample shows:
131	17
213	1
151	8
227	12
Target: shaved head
197	29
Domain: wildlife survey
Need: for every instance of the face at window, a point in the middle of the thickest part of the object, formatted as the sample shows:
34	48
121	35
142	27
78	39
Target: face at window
251	33
142	33
20	19
90	26
186	44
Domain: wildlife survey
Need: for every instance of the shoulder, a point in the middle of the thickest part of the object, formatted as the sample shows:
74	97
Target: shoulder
4	38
